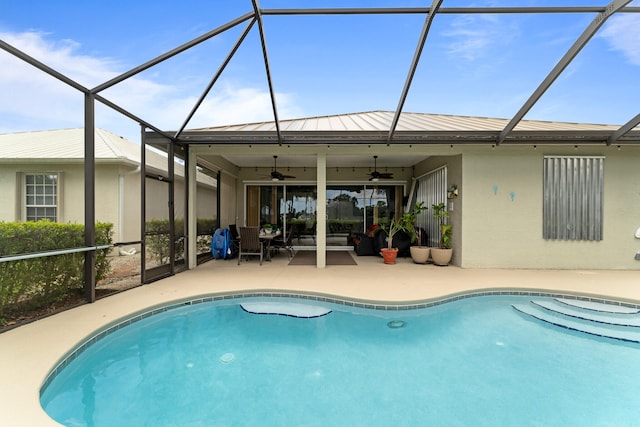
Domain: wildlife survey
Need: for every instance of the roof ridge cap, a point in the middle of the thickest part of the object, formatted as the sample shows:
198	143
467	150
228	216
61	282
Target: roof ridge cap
101	133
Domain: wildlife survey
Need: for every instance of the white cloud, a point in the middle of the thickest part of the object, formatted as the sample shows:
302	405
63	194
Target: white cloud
472	36
230	104
35	100
623	34
62	56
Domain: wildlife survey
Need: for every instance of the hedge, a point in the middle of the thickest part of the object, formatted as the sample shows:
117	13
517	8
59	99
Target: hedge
157	237
39	282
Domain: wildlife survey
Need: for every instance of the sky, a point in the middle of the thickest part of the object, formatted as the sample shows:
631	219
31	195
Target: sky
472	65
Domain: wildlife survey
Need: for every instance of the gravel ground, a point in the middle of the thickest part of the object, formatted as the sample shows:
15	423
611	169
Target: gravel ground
125	273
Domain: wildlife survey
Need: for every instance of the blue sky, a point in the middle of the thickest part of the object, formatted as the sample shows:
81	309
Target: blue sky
478	65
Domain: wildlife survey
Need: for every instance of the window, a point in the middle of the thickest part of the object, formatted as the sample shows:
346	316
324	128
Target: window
41	192
573	197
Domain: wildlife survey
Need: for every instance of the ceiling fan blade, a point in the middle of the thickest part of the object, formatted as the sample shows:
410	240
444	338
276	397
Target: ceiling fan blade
279	176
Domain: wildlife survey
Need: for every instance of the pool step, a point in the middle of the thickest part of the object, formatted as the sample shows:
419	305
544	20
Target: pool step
290	309
593	320
597	306
592	315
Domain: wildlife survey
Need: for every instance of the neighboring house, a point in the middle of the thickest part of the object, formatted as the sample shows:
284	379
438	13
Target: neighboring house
552	195
42	177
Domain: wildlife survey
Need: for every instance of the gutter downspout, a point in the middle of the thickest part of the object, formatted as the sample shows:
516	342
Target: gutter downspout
121	200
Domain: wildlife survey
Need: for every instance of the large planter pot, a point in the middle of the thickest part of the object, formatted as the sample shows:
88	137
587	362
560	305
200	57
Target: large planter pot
420	254
441	256
389	255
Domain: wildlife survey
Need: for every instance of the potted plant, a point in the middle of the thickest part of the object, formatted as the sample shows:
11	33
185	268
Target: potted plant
405	223
419	253
442	254
389	254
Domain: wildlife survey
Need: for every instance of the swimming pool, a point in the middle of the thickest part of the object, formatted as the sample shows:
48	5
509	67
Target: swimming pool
471	361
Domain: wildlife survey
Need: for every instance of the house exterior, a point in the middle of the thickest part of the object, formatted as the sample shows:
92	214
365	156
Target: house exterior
553	196
557	196
42	176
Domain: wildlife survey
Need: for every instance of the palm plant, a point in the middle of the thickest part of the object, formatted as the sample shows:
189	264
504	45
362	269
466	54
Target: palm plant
442	215
392	229
406	223
409	220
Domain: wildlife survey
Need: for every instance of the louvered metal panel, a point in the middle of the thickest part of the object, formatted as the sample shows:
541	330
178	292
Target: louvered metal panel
431	189
573	197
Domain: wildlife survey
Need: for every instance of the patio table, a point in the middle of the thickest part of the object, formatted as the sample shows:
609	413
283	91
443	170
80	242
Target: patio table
267	238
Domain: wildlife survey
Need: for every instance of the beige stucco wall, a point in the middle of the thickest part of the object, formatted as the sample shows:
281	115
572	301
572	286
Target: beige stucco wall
490	229
228	199
505	233
70	190
8	196
206	202
129	229
117	193
453	162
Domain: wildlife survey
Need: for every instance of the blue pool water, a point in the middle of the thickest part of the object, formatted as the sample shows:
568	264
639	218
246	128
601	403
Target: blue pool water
474	361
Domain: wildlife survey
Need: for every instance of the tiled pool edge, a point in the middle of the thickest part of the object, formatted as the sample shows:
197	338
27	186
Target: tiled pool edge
398	306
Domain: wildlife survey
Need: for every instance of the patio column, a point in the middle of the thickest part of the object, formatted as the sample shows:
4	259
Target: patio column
321	214
192	190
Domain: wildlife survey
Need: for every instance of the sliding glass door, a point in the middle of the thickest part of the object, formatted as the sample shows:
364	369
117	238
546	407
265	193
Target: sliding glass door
300	213
381	203
345	214
351	209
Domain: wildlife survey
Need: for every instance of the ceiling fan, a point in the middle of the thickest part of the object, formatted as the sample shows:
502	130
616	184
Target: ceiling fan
375	175
278	176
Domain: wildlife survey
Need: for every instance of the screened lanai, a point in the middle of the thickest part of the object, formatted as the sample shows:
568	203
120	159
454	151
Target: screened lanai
413	117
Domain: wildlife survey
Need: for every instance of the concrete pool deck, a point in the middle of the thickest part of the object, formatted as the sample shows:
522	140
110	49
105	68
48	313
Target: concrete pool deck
28	353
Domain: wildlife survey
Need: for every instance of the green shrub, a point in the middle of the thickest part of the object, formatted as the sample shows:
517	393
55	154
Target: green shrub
206	226
39	282
157	237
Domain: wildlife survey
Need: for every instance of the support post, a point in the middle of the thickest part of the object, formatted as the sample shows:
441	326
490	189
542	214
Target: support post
89	198
191	186
143	205
321	214
172	210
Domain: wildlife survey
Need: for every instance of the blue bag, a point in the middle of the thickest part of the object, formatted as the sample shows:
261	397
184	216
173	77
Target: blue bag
221	244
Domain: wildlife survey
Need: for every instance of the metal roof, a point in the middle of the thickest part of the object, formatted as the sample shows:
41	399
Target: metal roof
373	127
66	144
381	121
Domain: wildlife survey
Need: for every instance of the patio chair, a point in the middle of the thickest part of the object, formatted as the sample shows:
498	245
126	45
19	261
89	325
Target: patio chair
285	243
250	243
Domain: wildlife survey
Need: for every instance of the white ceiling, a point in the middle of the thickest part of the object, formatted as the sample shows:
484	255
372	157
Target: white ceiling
390	161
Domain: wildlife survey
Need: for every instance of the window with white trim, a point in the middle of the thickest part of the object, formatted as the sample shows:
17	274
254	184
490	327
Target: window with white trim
41	196
573	197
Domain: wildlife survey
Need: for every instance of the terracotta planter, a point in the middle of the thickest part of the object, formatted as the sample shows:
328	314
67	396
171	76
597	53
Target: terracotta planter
441	256
389	255
420	254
